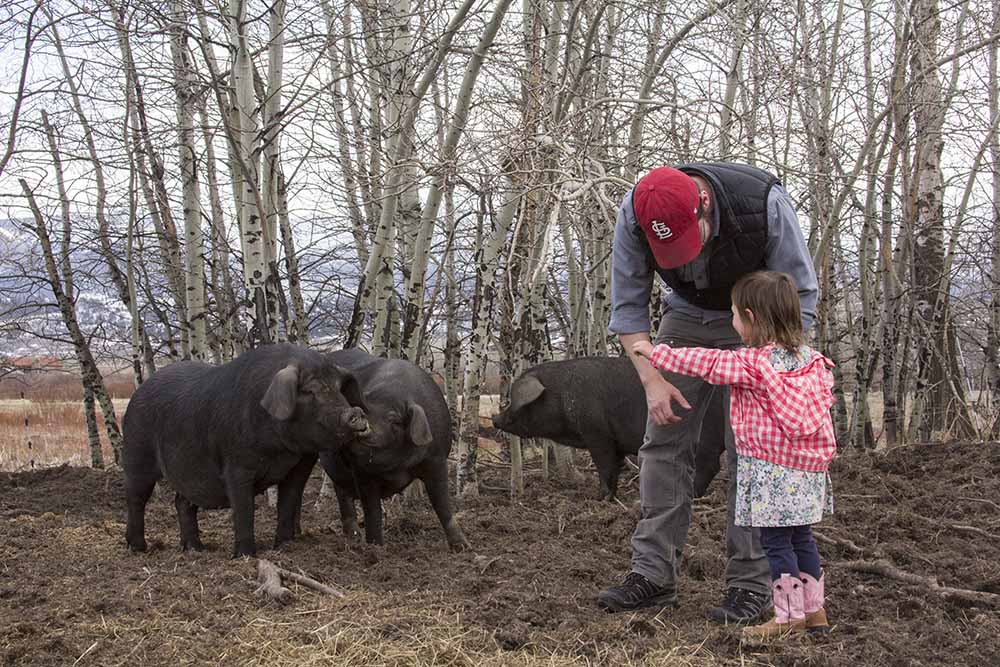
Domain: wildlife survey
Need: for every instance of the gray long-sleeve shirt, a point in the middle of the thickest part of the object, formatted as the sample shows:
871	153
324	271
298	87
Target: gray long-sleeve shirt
632	271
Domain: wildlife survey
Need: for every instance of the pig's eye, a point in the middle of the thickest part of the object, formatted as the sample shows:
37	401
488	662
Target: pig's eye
394	419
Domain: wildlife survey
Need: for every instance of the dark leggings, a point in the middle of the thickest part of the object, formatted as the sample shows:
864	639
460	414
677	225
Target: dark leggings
790	550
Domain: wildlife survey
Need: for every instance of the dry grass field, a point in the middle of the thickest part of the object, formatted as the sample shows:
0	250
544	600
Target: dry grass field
46	409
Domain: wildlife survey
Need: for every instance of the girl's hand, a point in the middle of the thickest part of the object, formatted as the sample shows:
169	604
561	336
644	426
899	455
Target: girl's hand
643	348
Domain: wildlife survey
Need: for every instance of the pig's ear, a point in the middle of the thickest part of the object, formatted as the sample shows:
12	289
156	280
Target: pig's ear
419	428
525	391
279	400
351	389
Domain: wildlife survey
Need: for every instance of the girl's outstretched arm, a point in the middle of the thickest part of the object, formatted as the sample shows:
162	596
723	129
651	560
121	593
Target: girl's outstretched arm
729	367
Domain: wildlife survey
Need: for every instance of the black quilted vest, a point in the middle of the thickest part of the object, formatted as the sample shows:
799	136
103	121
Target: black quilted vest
741	197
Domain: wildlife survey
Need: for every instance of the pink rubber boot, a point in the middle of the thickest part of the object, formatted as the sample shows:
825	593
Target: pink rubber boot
813	600
789	614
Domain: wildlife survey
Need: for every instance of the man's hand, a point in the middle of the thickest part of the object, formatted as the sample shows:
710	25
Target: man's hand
659	397
659	392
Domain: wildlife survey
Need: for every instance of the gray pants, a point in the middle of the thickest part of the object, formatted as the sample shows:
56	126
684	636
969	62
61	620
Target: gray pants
666	476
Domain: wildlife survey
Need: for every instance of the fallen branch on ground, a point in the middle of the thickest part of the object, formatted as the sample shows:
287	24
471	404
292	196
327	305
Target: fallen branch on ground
888	570
842	542
980	500
269	576
959	527
973	529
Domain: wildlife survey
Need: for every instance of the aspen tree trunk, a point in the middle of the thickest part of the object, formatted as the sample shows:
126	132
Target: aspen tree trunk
143	363
299	332
866	357
960	420
352	184
486	266
91	373
93	434
194	264
230	336
889	261
992	349
576	298
753	94
526	171
726	115
154	187
379	271
252	231
229	305
94	440
517	466
270	173
816	108
137	342
453	342
601	214
930	395
376	99
19	97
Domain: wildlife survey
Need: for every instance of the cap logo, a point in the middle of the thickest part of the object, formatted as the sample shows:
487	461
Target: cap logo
661	230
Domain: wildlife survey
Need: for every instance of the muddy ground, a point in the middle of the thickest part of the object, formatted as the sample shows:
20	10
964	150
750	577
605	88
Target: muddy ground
70	593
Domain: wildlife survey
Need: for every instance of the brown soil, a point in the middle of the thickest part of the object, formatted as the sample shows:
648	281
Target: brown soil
70	593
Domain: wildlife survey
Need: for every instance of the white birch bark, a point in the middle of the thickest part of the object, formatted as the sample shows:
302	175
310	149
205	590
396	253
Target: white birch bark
194	263
269	185
733	79
992	347
255	251
486	266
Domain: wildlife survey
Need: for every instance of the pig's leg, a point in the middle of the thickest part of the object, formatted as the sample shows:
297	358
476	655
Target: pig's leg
187	517
435	480
348	514
138	489
371	503
609	465
290	491
239	487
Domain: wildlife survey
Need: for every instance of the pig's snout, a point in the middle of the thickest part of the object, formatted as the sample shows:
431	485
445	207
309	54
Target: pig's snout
498	420
355	420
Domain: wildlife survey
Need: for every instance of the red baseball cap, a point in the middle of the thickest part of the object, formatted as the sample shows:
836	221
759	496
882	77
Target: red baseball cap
665	202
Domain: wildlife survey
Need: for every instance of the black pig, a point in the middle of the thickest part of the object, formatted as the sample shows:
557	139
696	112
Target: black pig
597	404
221	434
410	439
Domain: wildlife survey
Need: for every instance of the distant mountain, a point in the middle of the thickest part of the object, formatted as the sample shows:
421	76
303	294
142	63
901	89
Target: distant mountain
27	305
30	324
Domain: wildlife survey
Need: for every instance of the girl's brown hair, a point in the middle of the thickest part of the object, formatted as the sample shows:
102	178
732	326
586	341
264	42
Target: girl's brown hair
773	299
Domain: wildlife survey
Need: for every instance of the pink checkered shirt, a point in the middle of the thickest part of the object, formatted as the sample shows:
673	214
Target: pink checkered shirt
778	416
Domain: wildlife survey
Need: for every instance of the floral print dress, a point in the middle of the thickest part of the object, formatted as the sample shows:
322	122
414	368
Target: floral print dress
771	495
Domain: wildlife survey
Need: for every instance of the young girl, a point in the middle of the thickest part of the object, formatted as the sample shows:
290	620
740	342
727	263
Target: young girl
780	414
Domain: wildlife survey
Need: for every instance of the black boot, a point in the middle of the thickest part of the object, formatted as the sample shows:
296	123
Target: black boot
636	592
741	606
